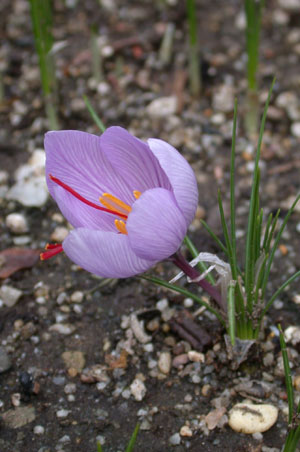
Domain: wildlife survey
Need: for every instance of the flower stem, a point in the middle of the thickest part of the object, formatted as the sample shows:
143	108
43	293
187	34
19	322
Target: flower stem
192	273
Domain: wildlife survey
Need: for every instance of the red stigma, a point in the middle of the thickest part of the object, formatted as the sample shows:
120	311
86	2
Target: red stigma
52	250
82	199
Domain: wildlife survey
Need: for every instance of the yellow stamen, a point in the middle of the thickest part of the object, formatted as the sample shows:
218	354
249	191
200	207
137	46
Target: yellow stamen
136	194
121	226
114	203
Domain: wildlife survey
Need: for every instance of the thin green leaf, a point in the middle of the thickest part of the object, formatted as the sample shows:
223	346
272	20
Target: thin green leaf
272	231
267	231
94	115
201	265
133	438
258	230
232	186
161	282
231	311
99	447
214	237
278	292
287	374
249	261
275	245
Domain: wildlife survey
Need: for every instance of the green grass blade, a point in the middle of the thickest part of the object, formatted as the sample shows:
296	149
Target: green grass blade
258	235
201	265
94	115
271	234
194	61
99	447
275	245
214	237
232	186
161	282
278	292
287	374
133	438
231	311
232	261
249	258
267	231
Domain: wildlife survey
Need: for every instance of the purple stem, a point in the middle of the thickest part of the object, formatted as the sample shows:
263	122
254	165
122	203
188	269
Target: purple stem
192	273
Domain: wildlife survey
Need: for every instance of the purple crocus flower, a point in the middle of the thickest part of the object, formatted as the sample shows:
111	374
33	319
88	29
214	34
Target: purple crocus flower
130	202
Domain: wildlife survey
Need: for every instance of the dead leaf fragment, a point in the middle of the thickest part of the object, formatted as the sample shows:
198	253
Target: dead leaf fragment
14	259
213	418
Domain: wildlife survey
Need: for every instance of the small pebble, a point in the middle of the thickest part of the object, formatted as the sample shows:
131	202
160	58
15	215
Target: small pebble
39	430
250	418
77	296
162	304
9	295
62	414
196	357
16	399
16	223
186	431
164	362
175	439
138	389
70	388
188	302
59	234
162	107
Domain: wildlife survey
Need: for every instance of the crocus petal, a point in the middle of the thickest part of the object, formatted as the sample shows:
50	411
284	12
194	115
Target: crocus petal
180	175
133	160
79	214
77	160
156	226
106	254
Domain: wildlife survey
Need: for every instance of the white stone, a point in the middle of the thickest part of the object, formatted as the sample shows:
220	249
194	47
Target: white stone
250	418
295	129
59	234
162	107
186	431
16	223
138	389
9	295
30	193
188	302
62	328
175	439
77	296
292	334
138	330
39	430
223	98
164	362
290	5
62	414
196	357
30	188
162	304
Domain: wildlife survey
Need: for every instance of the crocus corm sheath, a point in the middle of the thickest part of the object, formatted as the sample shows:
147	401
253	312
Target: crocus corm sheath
130	202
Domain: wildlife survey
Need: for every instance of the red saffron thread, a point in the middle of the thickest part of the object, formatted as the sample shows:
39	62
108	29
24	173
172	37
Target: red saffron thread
52	250
82	199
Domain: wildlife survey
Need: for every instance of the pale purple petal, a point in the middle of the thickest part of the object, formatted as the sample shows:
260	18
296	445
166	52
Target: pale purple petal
133	160
180	175
77	160
106	254
156	226
79	214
